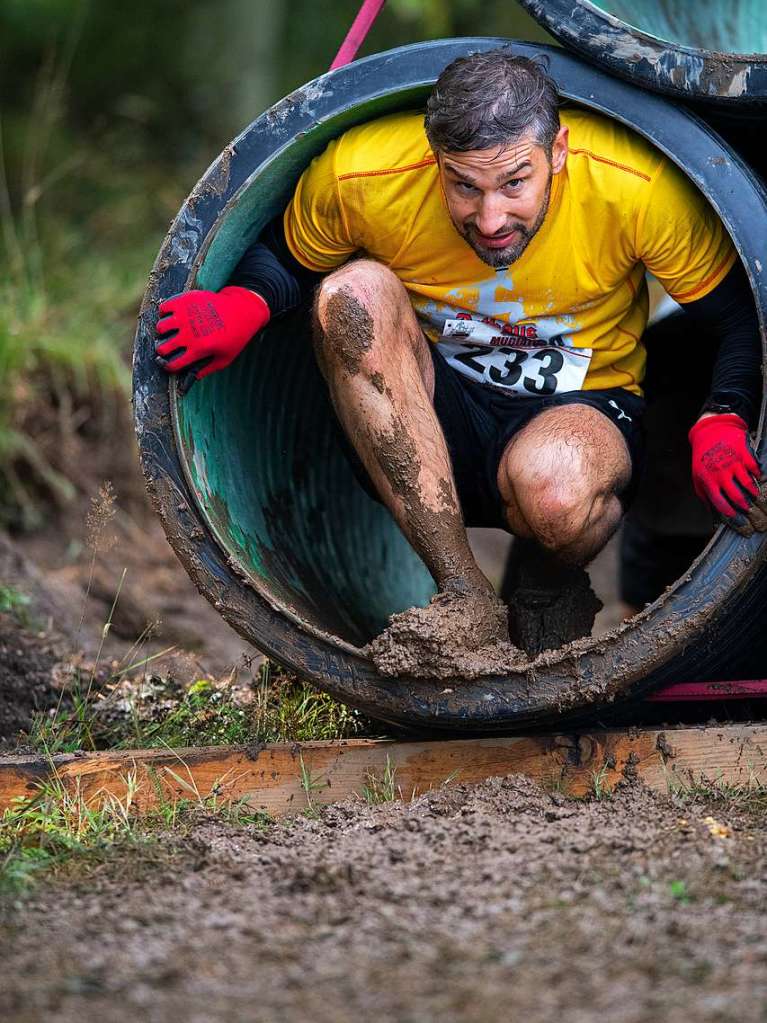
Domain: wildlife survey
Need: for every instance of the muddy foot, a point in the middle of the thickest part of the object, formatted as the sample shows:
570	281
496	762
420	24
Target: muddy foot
550	603
454	636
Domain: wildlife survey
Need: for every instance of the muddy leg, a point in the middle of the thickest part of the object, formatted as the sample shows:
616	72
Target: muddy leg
375	359
560	478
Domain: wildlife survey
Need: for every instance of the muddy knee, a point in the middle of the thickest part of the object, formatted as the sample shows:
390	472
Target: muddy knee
355	309
560	477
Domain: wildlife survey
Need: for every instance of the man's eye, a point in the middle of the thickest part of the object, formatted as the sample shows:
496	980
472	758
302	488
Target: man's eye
464	186
514	183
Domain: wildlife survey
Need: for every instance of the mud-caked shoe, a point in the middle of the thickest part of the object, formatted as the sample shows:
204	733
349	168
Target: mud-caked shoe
550	603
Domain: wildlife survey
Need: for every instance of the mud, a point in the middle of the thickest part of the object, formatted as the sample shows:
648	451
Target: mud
476	904
438	533
457	635
352	328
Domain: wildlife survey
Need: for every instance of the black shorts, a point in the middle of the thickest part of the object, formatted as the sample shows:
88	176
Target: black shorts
478	422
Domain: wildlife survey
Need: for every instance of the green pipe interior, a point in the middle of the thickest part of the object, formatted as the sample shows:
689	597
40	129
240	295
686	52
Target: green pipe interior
730	26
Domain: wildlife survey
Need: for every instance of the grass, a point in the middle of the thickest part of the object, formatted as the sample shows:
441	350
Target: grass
310	784
679	892
59	827
78	232
59	363
159	711
14	602
749	796
600	787
383	787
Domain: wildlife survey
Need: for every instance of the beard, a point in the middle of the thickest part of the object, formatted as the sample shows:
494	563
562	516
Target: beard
500	258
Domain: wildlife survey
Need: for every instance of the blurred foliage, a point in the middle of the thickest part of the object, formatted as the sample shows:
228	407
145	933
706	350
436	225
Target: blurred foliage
171	81
109	115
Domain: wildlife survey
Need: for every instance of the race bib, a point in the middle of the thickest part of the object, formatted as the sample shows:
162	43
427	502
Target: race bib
515	364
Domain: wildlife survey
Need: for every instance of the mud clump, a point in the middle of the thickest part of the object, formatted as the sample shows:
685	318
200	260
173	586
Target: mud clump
456	635
549	619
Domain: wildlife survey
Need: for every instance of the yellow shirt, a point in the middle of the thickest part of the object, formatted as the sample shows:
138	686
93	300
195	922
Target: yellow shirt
570	312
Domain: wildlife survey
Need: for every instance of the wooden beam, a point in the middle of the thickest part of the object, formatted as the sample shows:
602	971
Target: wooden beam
283	779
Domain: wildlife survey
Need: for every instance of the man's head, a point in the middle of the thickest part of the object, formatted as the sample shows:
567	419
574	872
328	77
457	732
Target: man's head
493	123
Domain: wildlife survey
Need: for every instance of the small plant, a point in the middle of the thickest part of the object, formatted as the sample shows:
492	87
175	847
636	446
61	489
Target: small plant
286	709
600	787
310	784
12	601
746	796
381	788
679	892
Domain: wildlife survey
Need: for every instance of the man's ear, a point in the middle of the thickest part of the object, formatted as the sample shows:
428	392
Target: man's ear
559	149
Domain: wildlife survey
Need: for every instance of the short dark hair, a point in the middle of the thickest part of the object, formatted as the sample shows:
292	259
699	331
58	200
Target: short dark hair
492	98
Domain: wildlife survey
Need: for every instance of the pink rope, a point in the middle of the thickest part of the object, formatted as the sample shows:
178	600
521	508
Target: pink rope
355	37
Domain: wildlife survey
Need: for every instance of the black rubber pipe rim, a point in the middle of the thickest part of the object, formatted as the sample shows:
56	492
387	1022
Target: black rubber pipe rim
685	72
691	632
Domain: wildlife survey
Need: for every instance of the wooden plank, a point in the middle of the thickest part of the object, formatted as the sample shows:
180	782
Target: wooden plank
274	778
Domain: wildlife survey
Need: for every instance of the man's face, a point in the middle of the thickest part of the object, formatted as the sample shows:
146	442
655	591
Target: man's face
497	198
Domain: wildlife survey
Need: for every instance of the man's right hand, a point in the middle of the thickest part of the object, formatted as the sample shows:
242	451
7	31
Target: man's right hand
206	330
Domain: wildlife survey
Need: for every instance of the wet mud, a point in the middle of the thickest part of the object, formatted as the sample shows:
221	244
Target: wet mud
438	533
352	328
456	635
473	903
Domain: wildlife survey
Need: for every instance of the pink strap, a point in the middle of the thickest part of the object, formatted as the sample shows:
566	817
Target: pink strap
355	37
735	690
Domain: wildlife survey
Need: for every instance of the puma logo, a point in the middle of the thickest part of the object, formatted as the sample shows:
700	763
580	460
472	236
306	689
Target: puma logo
619	410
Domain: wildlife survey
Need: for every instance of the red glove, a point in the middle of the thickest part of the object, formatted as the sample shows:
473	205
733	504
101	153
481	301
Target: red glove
724	469
207	327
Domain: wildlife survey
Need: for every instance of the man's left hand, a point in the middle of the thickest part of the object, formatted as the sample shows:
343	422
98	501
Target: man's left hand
725	472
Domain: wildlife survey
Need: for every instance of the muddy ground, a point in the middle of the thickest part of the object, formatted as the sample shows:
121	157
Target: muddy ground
84	555
487	902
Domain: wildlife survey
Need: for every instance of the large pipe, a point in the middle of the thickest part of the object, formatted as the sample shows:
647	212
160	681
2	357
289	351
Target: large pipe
259	503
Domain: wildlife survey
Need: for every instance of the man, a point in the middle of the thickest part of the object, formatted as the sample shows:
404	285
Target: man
481	298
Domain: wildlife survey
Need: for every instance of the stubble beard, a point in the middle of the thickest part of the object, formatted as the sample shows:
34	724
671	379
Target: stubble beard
501	258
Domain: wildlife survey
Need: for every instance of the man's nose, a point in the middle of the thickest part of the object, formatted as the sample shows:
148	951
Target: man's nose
492	216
